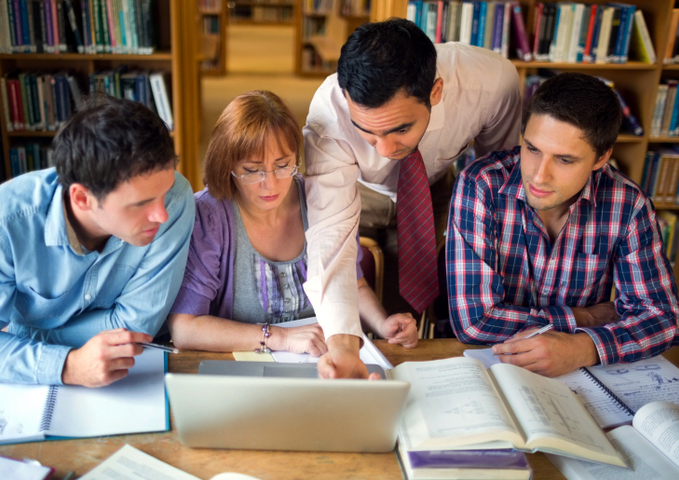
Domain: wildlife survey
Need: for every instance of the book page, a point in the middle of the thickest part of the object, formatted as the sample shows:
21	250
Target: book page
369	353
659	423
21	409
605	411
129	463
452	403
644	460
551	416
650	380
134	404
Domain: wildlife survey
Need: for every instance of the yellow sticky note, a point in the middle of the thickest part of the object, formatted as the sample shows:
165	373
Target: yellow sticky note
253	357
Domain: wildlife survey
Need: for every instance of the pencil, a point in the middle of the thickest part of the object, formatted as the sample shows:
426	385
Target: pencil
159	347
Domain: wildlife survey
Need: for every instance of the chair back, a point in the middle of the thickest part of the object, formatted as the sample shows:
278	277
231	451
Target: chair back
372	265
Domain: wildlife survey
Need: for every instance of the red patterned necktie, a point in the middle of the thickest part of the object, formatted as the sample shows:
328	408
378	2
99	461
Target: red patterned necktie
417	267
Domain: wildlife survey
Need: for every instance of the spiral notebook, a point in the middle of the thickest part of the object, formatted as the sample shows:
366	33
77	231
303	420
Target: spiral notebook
135	404
612	394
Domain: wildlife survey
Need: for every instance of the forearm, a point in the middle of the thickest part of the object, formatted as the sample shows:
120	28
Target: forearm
214	334
370	309
27	361
348	343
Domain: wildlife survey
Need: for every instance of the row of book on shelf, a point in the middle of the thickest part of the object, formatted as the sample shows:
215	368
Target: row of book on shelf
355	8
630	123
83	26
567	32
318	7
665	121
30	156
35	101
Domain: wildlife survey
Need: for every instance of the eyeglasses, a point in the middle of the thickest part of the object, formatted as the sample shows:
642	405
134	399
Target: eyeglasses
257	177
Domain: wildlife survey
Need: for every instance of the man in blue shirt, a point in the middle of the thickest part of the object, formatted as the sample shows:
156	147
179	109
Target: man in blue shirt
92	254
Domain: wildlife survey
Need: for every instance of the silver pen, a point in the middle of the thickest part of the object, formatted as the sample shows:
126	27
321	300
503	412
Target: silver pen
159	347
544	329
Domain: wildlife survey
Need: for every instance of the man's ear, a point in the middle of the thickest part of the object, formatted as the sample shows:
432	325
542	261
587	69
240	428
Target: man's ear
603	159
436	92
81	197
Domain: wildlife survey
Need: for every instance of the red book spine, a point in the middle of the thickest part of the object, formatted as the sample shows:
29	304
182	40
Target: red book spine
538	20
587	54
439	20
15	103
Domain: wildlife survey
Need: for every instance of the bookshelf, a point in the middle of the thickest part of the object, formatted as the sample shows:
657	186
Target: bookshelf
636	81
174	56
262	12
322	27
212	36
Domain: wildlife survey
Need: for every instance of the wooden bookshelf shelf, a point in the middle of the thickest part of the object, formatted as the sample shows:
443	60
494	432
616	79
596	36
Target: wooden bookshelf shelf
174	22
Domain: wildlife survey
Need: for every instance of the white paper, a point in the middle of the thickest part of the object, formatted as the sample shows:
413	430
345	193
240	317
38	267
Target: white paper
659	423
18	470
368	353
133	404
21	408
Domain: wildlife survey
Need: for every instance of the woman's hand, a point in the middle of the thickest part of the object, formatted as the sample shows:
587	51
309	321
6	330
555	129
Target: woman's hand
306	339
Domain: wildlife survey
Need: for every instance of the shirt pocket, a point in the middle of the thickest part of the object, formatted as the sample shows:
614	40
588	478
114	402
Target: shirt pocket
35	309
587	273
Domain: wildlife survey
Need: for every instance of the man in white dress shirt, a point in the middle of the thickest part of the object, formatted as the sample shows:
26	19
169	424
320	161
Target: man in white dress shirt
394	92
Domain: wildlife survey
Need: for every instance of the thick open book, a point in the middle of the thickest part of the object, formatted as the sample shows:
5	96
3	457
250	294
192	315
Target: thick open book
613	393
134	404
456	404
129	463
650	447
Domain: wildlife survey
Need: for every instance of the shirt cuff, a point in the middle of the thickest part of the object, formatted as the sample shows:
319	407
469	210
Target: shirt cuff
50	363
561	317
336	322
604	341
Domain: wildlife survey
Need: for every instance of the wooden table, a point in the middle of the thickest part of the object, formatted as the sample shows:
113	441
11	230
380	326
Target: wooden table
83	455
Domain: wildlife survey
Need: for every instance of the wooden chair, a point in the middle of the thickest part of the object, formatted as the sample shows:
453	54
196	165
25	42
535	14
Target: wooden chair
372	265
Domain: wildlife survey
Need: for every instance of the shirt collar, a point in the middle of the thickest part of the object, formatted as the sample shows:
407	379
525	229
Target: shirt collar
56	232
437	116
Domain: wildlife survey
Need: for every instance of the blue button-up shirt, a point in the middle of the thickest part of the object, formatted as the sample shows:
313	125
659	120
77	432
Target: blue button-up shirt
53	299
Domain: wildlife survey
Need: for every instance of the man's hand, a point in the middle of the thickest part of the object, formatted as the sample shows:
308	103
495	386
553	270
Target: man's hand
305	339
342	360
550	354
595	315
105	358
400	328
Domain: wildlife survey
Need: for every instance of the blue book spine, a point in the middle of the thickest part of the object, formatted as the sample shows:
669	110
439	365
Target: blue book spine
496	44
481	33
620	37
475	24
14	162
595	32
674	121
48	26
87	30
25	29
624	55
418	13
552	45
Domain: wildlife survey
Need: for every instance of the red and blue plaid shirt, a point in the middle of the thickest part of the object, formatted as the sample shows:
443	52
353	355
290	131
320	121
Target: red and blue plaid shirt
504	275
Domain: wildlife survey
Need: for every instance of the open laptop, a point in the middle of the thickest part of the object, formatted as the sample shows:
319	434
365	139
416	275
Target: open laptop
252	407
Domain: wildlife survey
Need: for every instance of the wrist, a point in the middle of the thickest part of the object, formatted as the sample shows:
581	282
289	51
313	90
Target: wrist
350	343
278	340
589	353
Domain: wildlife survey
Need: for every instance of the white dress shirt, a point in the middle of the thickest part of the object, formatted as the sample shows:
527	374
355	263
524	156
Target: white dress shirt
481	101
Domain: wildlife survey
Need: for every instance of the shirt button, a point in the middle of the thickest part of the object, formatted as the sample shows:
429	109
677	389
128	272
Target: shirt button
282	274
287	300
287	286
88	297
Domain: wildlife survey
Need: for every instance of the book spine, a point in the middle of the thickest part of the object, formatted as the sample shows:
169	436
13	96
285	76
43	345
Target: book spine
5	38
30	26
14	162
40	91
590	54
61	21
9	124
41	25
629	120
55	26
47	12
584	29
555	34
72	21
506	25
661	183
674	122
522	48
615	40
624	54
87	30
35	101
106	32
23	31
481	31
539	28
671	188
25	106
21	152
659	110
669	107
15	102
11	15
578	13
46	420
498	22
475	23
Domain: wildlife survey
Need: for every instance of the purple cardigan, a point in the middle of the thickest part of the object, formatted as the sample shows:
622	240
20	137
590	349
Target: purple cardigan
207	288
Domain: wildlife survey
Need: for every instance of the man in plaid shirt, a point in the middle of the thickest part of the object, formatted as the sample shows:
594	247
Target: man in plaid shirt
541	233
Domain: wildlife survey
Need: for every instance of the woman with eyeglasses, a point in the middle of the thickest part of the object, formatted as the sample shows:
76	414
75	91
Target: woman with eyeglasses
247	258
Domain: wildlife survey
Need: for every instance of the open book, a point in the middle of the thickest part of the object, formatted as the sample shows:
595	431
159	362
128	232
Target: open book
134	404
456	404
129	463
612	393
650	447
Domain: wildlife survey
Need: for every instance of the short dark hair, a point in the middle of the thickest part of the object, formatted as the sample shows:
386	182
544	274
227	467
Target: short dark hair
381	58
243	131
583	101
108	142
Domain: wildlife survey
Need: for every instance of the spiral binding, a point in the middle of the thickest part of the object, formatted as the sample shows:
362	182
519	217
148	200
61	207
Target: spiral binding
46	419
608	391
